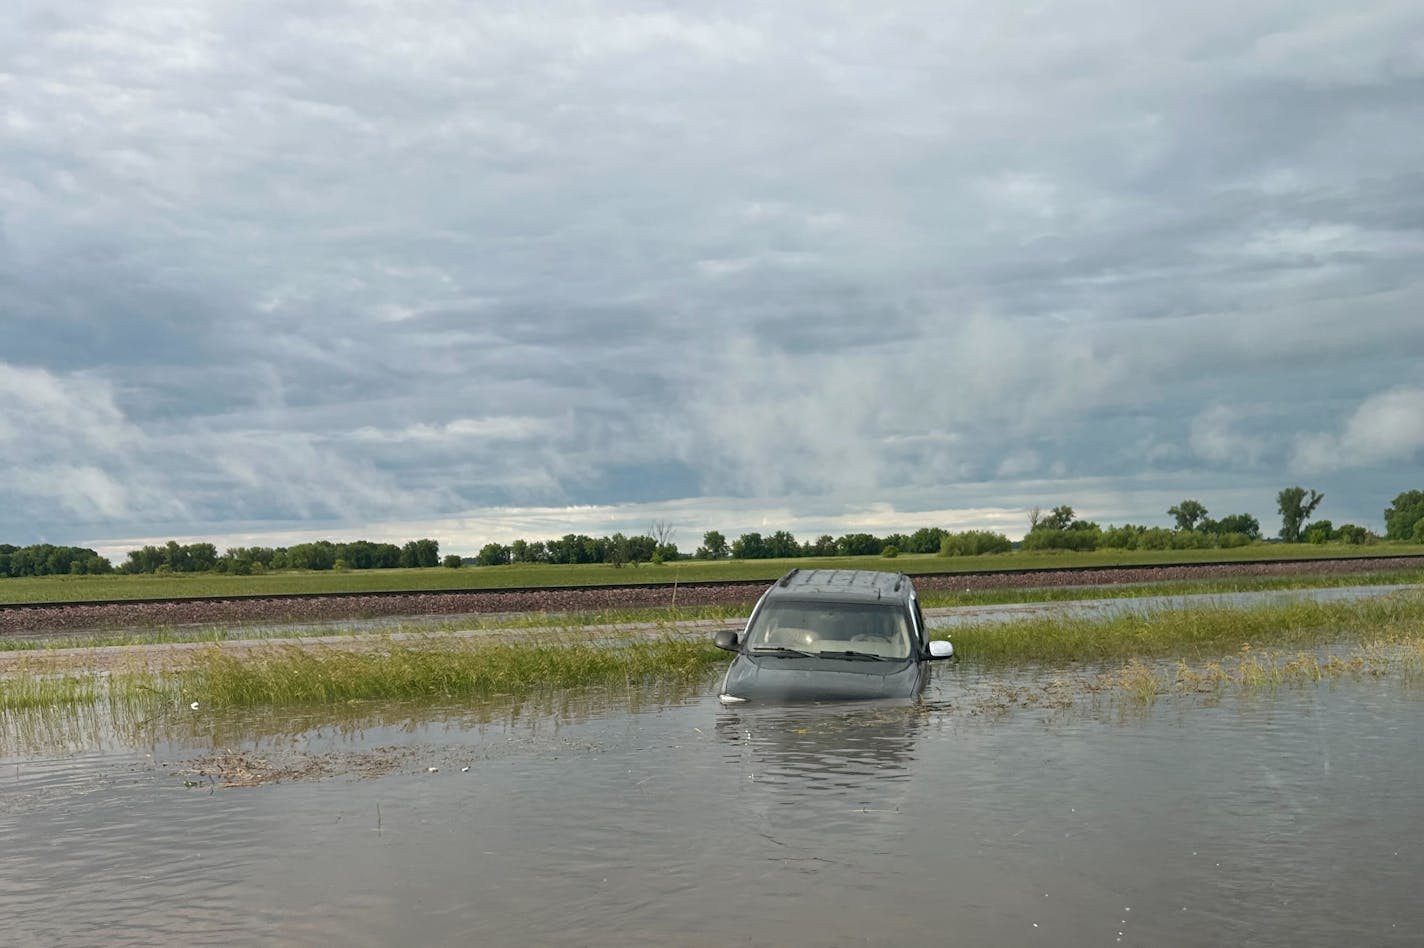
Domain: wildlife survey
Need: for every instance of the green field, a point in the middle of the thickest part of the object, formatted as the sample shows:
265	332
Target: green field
81	588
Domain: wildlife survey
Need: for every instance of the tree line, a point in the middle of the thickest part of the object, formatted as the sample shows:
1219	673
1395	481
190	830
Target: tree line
1195	529
1058	529
174	557
46	559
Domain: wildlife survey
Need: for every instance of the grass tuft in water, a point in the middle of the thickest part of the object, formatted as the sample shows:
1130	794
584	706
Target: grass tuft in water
26	692
435	668
1252	671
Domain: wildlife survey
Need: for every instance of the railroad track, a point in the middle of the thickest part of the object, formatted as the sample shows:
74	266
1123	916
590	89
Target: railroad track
1357	564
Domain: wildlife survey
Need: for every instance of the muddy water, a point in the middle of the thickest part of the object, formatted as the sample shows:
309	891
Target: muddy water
660	818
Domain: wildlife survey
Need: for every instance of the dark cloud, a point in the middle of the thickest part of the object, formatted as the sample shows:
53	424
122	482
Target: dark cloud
304	266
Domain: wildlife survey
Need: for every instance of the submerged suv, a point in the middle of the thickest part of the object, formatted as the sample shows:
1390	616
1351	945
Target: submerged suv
820	635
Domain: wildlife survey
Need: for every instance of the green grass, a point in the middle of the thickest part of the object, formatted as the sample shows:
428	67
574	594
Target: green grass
79	588
1192	634
27	692
445	669
433	668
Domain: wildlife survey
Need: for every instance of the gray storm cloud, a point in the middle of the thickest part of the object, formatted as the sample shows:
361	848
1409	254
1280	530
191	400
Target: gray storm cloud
285	268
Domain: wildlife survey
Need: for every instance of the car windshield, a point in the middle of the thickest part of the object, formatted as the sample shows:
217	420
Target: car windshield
871	629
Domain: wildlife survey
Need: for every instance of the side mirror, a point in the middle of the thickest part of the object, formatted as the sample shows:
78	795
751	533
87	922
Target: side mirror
941	648
726	639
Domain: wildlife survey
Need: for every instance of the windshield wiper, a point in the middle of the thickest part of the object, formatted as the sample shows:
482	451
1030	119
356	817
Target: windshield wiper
782	651
858	656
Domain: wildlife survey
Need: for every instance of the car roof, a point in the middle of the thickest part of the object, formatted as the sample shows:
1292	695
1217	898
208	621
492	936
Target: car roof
842	585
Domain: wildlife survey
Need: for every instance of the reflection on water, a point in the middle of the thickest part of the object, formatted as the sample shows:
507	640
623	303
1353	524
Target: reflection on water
74	729
822	749
659	818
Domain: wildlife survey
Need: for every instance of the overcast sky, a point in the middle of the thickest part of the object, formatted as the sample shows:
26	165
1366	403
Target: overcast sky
275	271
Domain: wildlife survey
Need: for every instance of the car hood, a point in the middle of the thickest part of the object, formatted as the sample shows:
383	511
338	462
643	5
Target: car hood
818	679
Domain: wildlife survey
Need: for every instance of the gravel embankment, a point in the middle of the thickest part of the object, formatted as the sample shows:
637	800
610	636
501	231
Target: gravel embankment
33	621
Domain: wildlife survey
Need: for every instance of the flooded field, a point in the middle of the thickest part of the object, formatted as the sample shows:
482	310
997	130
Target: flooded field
948	618
996	811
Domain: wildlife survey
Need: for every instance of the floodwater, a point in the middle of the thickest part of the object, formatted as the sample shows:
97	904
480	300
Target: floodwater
658	817
1142	605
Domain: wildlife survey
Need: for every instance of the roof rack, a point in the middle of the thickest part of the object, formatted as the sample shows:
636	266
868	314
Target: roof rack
786	580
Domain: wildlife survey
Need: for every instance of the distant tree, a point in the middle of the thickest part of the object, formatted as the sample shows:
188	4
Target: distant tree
1123	537
320	555
1295	508
1401	517
664	548
1354	534
890	551
427	552
714	546
926	540
1080	535
617	551
781	545
1188	514
858	544
1060	530
823	545
46	559
974	543
145	559
1321	531
749	546
451	561
1035	517
642	548
492	554
363	554
1244	524
662	532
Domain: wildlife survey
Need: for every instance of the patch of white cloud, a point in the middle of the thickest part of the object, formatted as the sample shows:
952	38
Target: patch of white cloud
41	411
85	492
1387	426
1216	437
463	430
